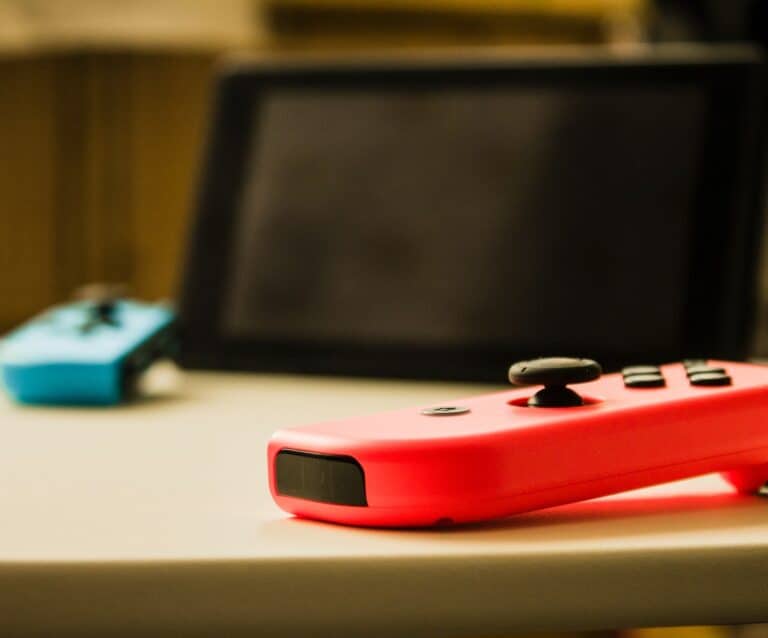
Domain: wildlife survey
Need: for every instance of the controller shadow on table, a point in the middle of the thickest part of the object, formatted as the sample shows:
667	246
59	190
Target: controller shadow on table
130	404
641	513
631	515
690	510
162	384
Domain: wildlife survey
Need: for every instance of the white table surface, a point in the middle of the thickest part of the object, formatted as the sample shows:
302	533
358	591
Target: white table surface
155	519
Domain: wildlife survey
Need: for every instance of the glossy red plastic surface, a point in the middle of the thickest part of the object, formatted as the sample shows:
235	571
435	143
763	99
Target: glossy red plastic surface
501	459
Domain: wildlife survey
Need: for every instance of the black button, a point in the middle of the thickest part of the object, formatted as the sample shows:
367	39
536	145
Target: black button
710	378
694	363
640	370
445	410
644	381
701	369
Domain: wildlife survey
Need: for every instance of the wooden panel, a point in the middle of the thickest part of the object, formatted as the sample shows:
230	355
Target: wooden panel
100	156
308	24
168	120
68	150
94	166
65	214
131	129
27	184
592	8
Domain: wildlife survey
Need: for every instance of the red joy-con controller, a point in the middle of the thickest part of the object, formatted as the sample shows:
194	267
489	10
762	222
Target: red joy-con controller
492	456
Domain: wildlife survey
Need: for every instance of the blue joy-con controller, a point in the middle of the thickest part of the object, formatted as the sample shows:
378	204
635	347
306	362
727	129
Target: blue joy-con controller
86	353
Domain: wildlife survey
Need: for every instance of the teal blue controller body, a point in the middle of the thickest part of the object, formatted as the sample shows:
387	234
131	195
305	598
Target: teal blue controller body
85	353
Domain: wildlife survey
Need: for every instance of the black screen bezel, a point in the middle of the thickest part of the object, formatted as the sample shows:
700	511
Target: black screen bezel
720	296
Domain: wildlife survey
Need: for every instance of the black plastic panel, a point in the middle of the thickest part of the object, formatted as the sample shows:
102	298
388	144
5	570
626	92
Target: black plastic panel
718	281
316	477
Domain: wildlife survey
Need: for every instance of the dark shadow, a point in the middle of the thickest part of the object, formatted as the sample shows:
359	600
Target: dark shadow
635	514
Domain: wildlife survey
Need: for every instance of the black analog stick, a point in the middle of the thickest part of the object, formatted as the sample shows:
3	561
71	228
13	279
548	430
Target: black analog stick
102	303
554	373
104	310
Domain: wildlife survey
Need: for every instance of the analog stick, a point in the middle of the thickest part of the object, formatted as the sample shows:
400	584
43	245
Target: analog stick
102	304
555	374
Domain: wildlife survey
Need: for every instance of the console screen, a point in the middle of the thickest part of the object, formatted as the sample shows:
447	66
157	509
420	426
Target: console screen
532	217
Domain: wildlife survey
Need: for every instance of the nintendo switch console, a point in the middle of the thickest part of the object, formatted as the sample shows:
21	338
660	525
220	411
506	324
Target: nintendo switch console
476	172
492	456
86	353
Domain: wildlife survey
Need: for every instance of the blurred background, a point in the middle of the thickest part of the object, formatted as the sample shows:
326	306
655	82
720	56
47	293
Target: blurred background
103	107
104	103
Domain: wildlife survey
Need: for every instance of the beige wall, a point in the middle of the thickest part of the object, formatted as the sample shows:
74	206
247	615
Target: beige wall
79	24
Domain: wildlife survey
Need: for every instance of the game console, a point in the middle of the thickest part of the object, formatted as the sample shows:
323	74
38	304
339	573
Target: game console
492	456
87	352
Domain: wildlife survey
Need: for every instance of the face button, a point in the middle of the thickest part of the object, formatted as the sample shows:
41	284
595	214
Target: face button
694	363
710	378
644	381
701	369
640	370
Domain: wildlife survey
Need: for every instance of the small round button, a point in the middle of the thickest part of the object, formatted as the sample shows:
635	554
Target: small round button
445	410
554	371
